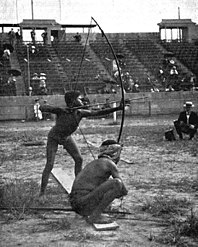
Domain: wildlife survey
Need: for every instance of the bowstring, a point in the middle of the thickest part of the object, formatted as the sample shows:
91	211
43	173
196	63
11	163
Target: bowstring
82	58
78	75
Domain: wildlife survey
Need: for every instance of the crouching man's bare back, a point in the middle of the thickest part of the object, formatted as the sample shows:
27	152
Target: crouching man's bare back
98	184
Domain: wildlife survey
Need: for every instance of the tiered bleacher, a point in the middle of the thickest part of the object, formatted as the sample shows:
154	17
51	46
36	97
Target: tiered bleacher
5	87
186	52
79	67
40	61
68	64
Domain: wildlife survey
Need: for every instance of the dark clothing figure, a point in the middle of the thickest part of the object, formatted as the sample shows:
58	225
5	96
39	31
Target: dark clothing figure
93	189
11	35
77	37
187	122
18	36
33	36
67	122
106	105
44	36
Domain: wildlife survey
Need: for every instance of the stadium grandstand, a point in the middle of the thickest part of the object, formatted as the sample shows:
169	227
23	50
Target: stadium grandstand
149	62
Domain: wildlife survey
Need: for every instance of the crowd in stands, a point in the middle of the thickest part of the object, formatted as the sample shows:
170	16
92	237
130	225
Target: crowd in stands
169	75
174	80
38	84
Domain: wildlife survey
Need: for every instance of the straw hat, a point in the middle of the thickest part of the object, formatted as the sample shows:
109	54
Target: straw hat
189	104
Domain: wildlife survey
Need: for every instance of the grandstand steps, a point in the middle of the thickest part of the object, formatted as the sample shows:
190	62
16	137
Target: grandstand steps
39	62
14	63
180	65
97	63
57	64
134	66
78	64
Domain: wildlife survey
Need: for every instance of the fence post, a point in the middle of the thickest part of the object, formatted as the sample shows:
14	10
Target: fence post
149	105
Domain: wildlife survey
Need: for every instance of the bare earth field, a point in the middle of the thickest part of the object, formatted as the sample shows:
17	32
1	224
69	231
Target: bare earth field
161	177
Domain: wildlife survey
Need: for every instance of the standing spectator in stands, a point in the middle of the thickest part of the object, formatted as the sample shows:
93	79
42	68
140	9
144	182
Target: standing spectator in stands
11	35
77	37
173	77
30	91
44	36
192	81
33	36
37	112
18	36
12	86
115	69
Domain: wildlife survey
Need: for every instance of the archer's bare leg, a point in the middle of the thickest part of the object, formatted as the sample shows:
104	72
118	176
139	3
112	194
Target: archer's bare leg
51	152
72	148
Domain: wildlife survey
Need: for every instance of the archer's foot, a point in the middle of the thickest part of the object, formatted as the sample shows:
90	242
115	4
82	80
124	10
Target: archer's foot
98	220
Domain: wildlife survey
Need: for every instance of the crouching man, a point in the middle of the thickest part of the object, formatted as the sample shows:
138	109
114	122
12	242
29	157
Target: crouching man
94	188
187	122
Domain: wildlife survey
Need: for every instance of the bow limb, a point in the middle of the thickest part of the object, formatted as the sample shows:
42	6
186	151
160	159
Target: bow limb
120	78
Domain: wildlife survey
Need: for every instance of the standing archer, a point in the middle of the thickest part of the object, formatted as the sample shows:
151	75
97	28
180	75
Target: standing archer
67	121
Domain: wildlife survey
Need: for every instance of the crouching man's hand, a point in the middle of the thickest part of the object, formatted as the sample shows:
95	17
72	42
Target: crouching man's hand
124	190
192	126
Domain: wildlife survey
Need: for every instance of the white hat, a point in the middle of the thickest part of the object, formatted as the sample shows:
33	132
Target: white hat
189	103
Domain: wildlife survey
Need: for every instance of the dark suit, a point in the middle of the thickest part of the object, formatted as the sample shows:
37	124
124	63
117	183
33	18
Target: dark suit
183	126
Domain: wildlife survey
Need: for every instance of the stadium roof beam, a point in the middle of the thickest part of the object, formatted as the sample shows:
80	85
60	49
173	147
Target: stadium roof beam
50	25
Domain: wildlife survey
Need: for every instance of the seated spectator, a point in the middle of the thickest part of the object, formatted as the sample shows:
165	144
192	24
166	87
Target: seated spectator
6	54
35	83
95	105
77	37
136	88
43	87
107	104
86	101
187	122
11	86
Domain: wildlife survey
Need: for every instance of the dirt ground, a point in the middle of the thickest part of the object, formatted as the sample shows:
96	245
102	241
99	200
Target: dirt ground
150	167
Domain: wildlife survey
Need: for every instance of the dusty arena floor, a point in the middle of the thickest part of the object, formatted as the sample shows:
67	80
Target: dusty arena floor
161	177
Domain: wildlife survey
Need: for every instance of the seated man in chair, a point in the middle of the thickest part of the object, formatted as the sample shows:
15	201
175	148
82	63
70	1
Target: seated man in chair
187	122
